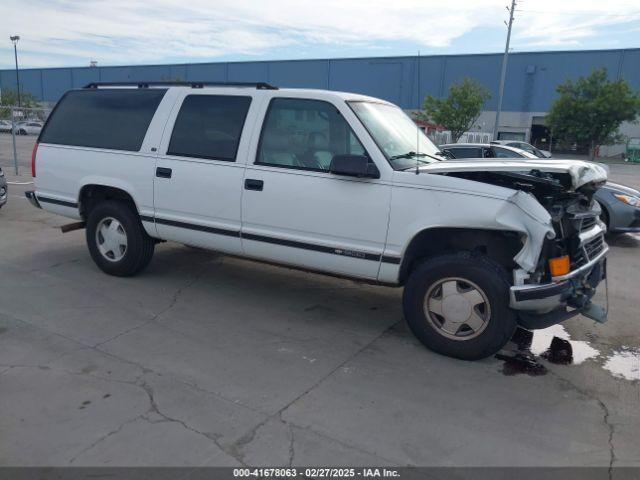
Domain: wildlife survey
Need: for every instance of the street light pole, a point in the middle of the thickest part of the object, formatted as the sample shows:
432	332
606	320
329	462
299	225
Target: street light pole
503	74
15	39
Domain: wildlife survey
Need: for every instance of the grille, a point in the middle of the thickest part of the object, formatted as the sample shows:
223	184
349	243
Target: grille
587	223
588	251
594	246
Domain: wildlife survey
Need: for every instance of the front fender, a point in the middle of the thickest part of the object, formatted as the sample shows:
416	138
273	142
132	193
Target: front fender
414	210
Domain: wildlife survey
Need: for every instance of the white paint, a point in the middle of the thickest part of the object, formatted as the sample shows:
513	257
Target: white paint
624	363
581	172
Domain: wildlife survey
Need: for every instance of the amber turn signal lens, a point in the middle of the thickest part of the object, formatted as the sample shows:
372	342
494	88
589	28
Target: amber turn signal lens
559	265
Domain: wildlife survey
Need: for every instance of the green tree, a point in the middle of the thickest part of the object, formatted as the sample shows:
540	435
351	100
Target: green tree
459	110
9	98
589	110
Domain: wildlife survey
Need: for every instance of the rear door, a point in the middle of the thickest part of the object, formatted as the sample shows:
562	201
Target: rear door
198	178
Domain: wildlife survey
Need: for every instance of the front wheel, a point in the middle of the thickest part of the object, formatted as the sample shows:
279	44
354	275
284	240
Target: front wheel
458	305
117	240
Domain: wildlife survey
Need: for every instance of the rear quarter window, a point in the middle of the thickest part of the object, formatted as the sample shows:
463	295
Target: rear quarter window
115	119
466	152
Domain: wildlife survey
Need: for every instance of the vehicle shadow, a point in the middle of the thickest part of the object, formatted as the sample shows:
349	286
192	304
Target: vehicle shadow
624	240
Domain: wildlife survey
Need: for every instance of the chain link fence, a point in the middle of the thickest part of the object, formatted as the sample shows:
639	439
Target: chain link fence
19	130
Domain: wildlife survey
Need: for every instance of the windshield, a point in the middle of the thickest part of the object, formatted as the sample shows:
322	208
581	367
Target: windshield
402	142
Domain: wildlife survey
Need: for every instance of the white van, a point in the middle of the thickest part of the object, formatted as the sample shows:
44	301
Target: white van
330	182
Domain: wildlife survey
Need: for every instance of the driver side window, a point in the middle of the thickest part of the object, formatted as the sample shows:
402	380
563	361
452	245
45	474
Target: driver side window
305	134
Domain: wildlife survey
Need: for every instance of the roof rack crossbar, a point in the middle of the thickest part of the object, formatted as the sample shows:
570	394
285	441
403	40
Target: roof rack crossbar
258	85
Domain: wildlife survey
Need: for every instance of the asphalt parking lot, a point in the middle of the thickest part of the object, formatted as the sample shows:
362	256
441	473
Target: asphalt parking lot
210	360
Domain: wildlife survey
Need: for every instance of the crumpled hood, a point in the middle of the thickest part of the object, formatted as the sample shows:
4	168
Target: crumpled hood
581	172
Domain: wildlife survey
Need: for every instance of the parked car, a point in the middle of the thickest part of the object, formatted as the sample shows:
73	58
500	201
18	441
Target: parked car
28	128
5	126
3	189
483	150
331	182
527	147
620	205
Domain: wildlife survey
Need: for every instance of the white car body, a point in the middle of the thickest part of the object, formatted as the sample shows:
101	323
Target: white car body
355	227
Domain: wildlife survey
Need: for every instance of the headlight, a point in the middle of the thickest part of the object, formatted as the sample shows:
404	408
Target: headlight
628	199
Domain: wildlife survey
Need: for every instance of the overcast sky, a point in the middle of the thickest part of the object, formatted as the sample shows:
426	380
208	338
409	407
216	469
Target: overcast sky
119	32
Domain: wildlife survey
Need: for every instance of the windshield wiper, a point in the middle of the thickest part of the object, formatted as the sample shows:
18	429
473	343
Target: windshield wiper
408	155
414	155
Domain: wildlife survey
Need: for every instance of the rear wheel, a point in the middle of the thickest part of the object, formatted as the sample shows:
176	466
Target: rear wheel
458	305
117	240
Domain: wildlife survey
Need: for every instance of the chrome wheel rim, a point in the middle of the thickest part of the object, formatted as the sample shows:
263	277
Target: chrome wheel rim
457	308
111	239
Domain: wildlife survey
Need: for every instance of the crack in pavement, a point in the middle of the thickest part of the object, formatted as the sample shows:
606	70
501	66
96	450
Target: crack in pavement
155	409
235	449
606	414
248	437
104	437
174	300
292	452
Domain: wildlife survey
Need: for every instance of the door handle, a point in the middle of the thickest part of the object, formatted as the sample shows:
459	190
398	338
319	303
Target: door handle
252	184
163	172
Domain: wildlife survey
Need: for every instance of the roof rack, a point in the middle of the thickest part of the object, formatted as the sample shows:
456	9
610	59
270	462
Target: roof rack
257	85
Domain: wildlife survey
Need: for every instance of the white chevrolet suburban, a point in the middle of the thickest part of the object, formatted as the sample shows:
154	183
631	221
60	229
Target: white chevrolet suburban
330	182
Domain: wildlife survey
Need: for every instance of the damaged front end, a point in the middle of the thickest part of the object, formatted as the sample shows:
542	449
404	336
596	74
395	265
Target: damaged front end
567	224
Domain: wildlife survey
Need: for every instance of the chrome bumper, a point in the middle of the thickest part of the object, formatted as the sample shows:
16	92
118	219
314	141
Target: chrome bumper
542	298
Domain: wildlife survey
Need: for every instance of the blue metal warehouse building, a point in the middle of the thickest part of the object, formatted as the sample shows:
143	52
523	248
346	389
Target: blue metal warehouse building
532	78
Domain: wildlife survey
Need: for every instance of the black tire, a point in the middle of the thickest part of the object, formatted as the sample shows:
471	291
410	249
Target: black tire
492	280
139	248
22	132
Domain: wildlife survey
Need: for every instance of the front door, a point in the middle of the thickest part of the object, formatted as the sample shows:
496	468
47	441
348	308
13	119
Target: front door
198	182
294	211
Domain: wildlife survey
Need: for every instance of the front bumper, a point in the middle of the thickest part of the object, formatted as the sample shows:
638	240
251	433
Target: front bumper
540	306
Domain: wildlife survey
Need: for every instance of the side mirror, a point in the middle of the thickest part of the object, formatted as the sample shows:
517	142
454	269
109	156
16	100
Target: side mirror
353	166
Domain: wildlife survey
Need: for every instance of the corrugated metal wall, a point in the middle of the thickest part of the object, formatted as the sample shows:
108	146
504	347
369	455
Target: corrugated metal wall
531	80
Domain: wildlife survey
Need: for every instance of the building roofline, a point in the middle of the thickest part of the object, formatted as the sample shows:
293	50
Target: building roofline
337	59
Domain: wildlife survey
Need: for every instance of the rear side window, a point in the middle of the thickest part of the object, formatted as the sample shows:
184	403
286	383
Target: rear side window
504	153
116	119
466	152
209	126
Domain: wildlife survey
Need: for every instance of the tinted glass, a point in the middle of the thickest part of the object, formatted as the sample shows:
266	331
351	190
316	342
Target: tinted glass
104	118
209	126
466	152
305	134
504	153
